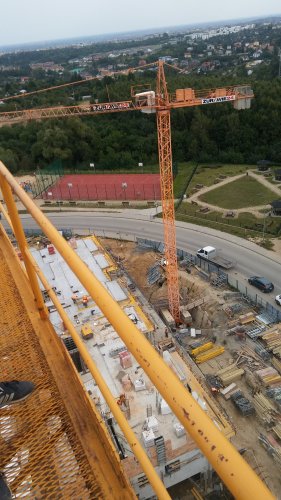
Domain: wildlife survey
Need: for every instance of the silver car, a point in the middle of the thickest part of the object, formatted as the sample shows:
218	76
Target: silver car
278	299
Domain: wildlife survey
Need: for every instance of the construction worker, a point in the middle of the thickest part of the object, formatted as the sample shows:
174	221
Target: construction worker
74	298
10	393
85	300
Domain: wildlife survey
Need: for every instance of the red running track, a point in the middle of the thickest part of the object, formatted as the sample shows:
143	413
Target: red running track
105	187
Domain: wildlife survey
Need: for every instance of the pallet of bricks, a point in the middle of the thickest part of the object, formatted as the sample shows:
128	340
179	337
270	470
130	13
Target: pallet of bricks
205	352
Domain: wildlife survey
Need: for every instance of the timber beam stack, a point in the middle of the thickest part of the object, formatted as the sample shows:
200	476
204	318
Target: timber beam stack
269	377
265	409
277	431
230	374
273	341
276	363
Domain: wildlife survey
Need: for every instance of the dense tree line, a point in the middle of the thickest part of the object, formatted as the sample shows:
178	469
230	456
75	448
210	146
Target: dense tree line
215	133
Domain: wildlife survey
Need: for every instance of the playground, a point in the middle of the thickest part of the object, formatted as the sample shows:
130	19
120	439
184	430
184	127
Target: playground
97	187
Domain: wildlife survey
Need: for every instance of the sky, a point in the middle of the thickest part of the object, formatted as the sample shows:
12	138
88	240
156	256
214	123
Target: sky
24	21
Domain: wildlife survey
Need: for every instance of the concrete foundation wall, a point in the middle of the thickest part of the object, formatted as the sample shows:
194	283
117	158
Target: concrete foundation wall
193	466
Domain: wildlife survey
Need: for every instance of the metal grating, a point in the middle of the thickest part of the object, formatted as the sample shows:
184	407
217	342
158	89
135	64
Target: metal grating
40	453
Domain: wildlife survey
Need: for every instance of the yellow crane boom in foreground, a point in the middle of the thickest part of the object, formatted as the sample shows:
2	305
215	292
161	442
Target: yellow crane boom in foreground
238	476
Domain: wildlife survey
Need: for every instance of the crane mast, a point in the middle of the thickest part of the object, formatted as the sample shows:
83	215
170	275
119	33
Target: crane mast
163	118
160	102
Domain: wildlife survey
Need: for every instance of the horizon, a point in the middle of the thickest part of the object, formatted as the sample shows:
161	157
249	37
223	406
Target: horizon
33	26
122	34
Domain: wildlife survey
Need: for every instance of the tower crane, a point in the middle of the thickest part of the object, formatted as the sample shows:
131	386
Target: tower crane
161	103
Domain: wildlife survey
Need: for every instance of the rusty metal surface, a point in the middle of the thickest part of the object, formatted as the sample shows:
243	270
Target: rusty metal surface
41	454
232	468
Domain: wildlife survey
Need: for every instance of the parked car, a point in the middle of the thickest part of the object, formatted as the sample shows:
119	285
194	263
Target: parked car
278	299
262	283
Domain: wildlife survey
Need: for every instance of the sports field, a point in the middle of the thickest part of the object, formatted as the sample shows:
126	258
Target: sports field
105	187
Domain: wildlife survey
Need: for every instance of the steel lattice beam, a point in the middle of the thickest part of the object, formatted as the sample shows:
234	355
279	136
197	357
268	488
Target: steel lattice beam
168	209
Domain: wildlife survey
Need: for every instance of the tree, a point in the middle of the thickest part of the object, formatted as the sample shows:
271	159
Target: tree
9	158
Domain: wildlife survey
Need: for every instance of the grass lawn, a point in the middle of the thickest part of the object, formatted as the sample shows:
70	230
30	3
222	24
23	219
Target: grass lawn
244	225
206	174
184	172
242	193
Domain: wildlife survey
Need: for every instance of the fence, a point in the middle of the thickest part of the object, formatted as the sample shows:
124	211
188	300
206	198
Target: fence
157	246
214	220
209	268
99	191
42	183
254	298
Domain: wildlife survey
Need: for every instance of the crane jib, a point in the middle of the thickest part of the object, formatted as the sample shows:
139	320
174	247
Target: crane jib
107	106
213	100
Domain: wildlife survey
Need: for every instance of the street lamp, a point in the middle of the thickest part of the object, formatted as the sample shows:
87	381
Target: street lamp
263	229
124	186
69	186
92	165
141	165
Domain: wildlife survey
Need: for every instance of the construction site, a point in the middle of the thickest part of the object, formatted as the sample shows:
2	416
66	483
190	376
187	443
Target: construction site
154	377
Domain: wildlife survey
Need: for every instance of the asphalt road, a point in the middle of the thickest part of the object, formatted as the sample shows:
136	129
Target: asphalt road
250	259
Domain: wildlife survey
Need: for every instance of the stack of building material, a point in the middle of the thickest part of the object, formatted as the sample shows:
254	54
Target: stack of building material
202	348
277	430
275	394
125	359
165	408
209	354
276	363
229	390
272	447
139	385
126	383
265	409
51	249
148	438
244	319
262	352
242	404
269	377
273	341
230	374
152	423
179	429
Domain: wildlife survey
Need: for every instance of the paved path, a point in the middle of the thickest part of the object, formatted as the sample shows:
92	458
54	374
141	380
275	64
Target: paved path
254	210
265	182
